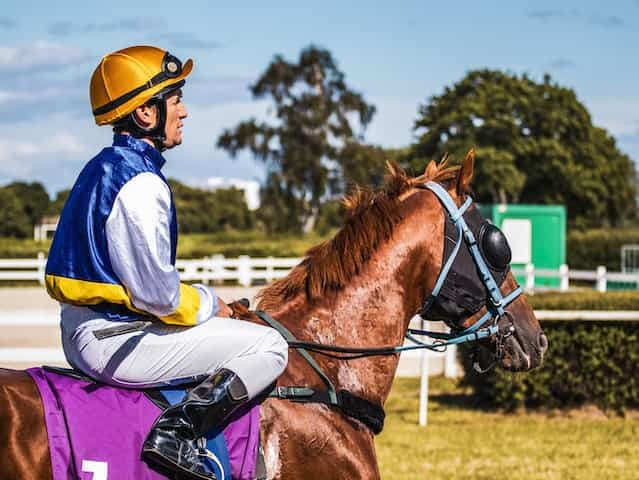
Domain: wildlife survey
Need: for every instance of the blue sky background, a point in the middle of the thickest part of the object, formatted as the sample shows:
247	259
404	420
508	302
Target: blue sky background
397	54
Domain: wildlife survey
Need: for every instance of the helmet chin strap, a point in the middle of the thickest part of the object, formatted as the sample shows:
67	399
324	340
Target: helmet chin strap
156	133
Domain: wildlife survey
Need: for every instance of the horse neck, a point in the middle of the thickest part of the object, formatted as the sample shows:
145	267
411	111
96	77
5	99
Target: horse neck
371	311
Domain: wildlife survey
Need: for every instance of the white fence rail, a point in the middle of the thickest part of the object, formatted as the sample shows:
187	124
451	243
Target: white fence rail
600	277
246	271
23	268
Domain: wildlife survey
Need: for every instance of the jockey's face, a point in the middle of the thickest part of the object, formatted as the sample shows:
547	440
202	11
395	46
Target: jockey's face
175	114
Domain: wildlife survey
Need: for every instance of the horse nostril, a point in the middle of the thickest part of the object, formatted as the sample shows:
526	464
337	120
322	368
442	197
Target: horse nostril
542	343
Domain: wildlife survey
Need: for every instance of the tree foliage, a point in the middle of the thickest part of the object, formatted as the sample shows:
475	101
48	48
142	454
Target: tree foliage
363	165
33	197
201	211
304	145
13	220
534	142
55	207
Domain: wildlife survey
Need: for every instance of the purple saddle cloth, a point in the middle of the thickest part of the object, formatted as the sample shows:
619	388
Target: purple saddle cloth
96	431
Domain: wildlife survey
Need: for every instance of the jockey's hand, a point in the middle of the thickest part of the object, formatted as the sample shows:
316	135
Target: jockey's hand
240	308
223	309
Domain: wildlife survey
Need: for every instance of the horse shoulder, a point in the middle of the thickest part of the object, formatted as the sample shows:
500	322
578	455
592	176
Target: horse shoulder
313	441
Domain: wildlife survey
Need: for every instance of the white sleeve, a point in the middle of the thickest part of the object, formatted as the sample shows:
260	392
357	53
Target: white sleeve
139	242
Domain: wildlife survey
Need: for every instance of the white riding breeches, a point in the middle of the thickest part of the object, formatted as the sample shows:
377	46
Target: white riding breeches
162	354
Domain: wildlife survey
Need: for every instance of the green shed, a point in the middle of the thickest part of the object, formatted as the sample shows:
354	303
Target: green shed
536	234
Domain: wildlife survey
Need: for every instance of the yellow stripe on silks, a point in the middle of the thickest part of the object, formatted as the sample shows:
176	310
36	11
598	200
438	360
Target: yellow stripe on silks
83	292
186	312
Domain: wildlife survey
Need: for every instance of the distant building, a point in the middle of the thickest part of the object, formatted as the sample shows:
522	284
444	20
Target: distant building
251	188
47	225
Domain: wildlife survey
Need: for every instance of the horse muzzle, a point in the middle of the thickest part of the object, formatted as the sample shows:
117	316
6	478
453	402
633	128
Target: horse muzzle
519	350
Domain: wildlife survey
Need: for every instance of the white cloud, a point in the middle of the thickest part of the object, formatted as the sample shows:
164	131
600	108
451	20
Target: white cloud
38	55
19	157
64	142
7	96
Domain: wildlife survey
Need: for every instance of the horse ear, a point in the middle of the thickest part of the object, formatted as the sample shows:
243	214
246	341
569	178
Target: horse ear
429	171
466	173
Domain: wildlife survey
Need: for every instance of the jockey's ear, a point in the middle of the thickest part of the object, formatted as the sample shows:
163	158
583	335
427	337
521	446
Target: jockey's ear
146	115
465	174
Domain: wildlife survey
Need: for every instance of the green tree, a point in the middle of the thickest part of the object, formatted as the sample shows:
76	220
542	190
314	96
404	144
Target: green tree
314	111
33	197
280	210
535	143
13	220
362	165
205	211
55	207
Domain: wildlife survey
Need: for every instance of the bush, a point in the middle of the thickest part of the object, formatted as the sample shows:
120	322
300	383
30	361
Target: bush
590	248
587	362
626	300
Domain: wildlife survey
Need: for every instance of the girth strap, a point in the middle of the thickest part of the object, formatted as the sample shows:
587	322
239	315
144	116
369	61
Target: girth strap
356	407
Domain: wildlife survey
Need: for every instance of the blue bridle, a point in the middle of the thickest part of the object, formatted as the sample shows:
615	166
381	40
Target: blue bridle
497	302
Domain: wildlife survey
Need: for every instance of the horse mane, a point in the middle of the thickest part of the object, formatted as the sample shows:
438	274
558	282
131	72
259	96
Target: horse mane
371	216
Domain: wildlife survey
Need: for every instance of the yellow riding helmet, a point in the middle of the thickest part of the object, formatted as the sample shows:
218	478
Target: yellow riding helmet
128	78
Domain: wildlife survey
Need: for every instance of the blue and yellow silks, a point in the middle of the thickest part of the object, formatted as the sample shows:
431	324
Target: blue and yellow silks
78	269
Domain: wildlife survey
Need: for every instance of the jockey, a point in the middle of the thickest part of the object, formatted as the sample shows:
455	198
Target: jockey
126	319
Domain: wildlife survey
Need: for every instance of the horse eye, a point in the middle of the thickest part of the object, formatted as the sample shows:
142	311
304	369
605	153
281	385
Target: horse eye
494	247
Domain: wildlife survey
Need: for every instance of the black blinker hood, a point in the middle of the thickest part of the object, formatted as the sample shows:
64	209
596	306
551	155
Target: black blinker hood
463	292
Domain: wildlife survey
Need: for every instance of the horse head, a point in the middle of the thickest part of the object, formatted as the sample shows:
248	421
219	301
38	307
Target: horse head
473	289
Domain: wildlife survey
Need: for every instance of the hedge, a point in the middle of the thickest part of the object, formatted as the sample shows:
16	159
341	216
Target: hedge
590	248
587	362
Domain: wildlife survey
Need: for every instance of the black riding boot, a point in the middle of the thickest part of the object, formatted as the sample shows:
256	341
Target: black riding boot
173	440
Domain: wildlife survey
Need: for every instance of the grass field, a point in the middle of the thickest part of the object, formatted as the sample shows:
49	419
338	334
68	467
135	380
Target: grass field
254	244
464	441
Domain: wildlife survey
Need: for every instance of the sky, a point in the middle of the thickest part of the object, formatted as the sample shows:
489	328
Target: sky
397	54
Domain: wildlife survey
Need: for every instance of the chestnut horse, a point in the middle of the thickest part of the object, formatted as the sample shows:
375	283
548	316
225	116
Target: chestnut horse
359	289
